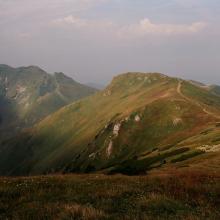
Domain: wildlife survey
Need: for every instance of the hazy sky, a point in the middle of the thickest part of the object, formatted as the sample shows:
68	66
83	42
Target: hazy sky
93	40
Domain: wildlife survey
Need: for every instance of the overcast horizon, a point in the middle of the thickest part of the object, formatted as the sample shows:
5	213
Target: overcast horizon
94	40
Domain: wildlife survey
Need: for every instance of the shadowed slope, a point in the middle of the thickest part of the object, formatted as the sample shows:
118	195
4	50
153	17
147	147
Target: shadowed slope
28	94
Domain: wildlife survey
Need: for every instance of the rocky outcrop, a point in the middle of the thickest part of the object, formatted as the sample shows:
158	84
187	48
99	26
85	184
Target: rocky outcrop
116	129
137	118
209	148
109	149
177	121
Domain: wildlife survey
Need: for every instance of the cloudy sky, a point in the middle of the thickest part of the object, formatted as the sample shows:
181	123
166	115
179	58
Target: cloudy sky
93	40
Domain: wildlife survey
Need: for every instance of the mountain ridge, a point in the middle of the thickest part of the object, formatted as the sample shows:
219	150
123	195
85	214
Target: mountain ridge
30	94
139	121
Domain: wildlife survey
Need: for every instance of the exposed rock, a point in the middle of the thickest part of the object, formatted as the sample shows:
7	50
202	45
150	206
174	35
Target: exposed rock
109	149
27	105
209	148
177	121
92	155
23	100
127	119
145	78
116	129
107	93
21	89
137	118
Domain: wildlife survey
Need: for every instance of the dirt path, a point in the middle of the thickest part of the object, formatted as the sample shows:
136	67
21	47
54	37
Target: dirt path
195	102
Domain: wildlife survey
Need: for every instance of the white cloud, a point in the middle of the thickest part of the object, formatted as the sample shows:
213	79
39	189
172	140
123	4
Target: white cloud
73	21
146	27
142	29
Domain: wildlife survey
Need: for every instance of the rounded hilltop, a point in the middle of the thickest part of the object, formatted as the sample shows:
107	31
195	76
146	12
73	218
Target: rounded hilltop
135	79
138	75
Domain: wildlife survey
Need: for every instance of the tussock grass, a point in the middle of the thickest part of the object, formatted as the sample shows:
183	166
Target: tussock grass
172	195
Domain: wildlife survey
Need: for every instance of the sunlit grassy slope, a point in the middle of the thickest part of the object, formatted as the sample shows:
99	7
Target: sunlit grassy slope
139	122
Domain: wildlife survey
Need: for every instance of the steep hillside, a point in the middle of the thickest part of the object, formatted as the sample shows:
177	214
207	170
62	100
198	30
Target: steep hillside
28	94
140	121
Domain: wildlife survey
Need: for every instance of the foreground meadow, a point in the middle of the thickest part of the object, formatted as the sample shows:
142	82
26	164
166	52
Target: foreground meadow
171	195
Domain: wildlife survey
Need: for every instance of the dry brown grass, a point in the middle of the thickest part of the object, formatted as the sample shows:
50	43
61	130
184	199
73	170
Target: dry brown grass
71	212
174	194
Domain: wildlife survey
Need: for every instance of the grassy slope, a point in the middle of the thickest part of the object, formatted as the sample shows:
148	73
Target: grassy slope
77	131
184	195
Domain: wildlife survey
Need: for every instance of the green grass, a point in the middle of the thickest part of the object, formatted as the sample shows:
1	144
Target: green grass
203	95
180	195
186	156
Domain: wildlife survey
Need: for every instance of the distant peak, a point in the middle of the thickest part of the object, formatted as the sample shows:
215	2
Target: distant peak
32	67
60	74
5	66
